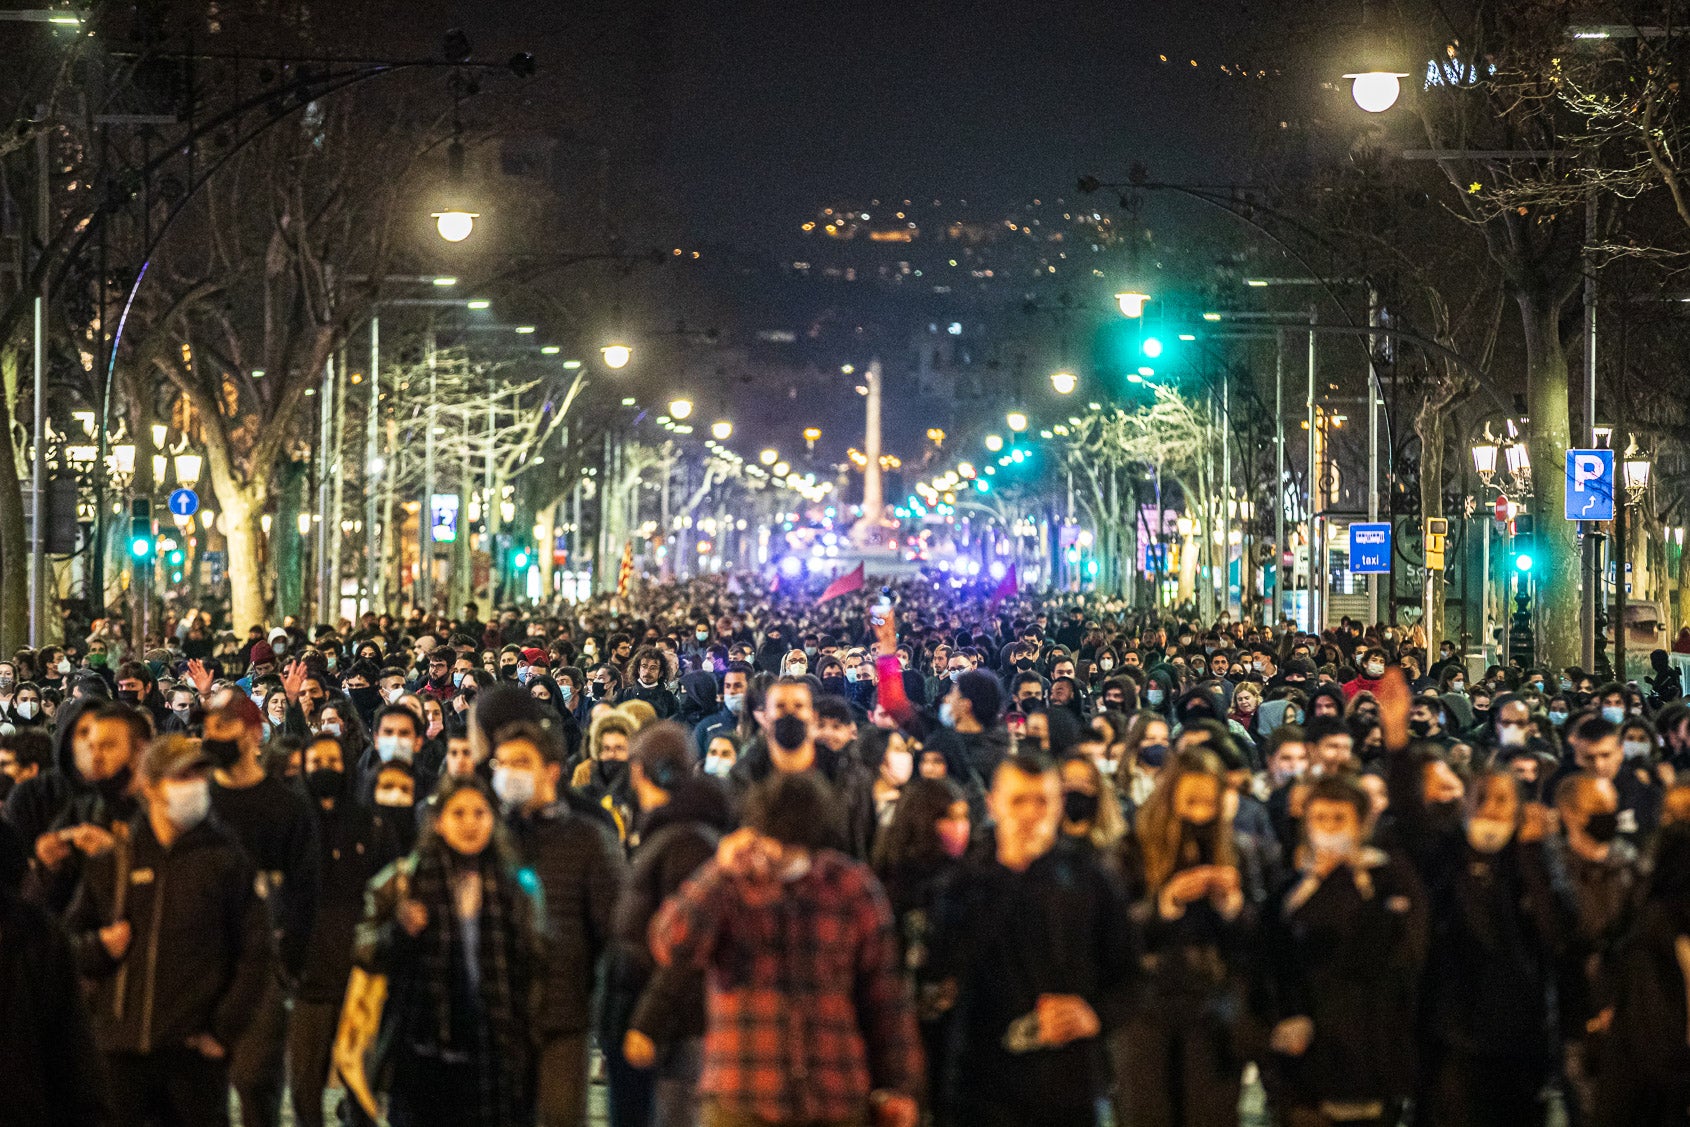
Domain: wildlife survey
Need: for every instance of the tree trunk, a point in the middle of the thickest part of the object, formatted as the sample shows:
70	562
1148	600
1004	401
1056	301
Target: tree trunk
242	538
14	553
287	546
1556	577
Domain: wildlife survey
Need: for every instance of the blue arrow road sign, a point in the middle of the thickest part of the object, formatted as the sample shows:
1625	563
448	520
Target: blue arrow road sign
1590	485
184	503
1370	549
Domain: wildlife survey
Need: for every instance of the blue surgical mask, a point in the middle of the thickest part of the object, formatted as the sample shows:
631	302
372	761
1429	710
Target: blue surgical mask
946	716
458	679
1154	696
1557	716
1613	713
566	692
734	702
391	748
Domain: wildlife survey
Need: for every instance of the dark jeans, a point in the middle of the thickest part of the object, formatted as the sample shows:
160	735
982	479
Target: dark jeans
562	1078
665	1095
1174	1069
170	1087
1489	1090
257	1062
433	1093
633	1091
311	1033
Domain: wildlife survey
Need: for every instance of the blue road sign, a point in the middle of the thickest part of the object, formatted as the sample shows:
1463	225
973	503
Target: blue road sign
184	503
1590	485
1370	549
443	508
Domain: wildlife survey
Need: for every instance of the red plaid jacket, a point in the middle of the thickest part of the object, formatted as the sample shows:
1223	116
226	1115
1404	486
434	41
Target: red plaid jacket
807	1011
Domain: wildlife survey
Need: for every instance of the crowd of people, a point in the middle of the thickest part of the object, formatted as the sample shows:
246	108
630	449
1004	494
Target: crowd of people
916	855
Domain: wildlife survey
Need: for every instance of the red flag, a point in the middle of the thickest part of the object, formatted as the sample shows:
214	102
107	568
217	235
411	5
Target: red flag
1010	586
851	581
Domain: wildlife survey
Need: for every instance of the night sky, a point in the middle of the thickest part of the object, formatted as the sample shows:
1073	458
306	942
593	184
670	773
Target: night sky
778	104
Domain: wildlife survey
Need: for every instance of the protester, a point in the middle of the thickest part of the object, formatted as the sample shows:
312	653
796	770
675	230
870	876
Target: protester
809	1019
455	929
168	928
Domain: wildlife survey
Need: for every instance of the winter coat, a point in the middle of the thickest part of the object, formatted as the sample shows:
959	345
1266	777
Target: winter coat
1346	952
49	1068
581	872
199	957
666	1005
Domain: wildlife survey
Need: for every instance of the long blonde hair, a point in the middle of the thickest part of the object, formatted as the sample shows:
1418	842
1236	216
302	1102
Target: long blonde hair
1158	829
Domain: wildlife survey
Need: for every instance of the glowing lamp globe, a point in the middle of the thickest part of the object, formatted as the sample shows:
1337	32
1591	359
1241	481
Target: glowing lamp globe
1376	90
1063	382
455	225
617	355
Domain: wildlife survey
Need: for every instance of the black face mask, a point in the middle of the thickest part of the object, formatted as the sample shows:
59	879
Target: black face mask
1023	663
789	732
223	754
833	685
1420	728
507	672
325	782
613	772
129	696
1602	828
1078	806
6	785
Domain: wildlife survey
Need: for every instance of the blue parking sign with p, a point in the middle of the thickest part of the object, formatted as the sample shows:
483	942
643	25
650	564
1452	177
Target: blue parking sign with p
1370	549
1590	485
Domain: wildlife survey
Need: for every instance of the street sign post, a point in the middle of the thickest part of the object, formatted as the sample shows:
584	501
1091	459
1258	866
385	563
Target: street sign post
1370	549
1590	485
183	503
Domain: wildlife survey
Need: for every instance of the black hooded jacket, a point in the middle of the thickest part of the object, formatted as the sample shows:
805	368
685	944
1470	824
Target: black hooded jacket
675	839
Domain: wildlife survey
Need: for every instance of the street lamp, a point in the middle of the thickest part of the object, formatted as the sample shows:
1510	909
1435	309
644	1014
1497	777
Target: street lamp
769	457
617	355
1063	382
994	442
1484	459
188	469
1636	466
721	430
1017	421
123	458
680	408
1132	303
1376	90
455	224
1519	460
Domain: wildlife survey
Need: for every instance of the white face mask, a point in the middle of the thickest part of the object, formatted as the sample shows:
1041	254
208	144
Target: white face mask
1489	835
718	765
28	708
186	802
899	766
391	696
393	747
514	788
1635	749
392	796
1339	844
1375	669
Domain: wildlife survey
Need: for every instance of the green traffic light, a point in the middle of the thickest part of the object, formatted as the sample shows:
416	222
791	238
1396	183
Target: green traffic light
522	559
141	547
1152	347
1523	561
